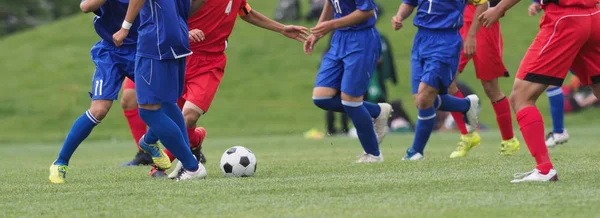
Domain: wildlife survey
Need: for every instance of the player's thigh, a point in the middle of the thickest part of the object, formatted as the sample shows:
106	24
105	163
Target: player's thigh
330	73
108	77
554	49
488	58
201	88
358	69
159	81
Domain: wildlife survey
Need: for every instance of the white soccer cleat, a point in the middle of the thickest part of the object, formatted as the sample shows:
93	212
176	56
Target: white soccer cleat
415	156
177	171
189	175
369	158
381	122
535	176
553	139
472	115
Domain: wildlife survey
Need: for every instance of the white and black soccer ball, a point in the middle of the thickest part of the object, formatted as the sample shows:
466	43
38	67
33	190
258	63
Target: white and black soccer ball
238	161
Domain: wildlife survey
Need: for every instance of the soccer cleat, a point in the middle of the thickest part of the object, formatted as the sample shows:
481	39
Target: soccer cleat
369	158
157	173
159	157
553	139
189	175
472	115
381	122
535	176
508	147
413	155
141	158
465	144
58	174
177	171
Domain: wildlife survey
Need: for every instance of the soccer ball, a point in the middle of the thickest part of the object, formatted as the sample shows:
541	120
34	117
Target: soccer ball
238	161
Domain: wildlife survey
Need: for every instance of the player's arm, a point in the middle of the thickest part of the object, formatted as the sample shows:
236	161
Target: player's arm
405	10
133	10
470	41
326	15
88	6
356	17
492	15
196	5
298	33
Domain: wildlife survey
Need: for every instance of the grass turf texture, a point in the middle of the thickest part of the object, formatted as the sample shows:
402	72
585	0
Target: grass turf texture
46	74
307	178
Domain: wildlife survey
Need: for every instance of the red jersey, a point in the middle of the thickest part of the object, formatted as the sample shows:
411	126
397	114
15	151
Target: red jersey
216	19
572	3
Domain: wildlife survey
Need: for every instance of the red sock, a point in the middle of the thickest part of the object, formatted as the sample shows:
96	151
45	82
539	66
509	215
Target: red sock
171	156
459	118
504	118
136	125
194	138
532	127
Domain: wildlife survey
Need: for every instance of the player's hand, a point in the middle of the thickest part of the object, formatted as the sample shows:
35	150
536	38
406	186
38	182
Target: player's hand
322	29
397	22
298	33
119	36
196	35
470	46
490	16
309	44
534	8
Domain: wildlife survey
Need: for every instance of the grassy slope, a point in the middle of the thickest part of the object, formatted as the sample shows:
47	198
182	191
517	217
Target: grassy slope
293	180
46	73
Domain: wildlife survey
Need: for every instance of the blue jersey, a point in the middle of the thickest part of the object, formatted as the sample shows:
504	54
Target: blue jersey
343	8
440	14
109	18
163	32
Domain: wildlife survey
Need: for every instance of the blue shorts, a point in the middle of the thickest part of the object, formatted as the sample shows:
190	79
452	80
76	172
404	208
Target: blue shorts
159	81
350	61
435	58
113	64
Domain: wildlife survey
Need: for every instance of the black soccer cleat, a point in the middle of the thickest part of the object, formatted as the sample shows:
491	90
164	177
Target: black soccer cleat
199	155
141	158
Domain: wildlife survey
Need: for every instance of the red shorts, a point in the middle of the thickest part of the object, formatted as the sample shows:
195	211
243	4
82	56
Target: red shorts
488	56
203	75
129	84
569	38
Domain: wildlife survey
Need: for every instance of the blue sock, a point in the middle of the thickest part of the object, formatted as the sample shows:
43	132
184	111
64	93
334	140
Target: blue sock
173	111
170	135
425	123
150	137
335	104
364	126
450	103
557	108
80	131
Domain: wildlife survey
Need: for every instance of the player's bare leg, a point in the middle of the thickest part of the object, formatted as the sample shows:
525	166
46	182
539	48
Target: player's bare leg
559	134
500	103
522	99
468	140
136	125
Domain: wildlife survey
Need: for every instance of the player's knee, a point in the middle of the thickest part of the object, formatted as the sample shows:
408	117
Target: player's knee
424	101
128	101
99	112
596	90
452	88
191	116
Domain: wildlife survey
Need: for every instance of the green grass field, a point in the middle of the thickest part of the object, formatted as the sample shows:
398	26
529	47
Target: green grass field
307	178
264	103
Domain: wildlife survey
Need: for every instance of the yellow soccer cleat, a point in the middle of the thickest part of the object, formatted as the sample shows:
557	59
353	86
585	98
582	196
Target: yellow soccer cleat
508	147
465	144
58	174
159	157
